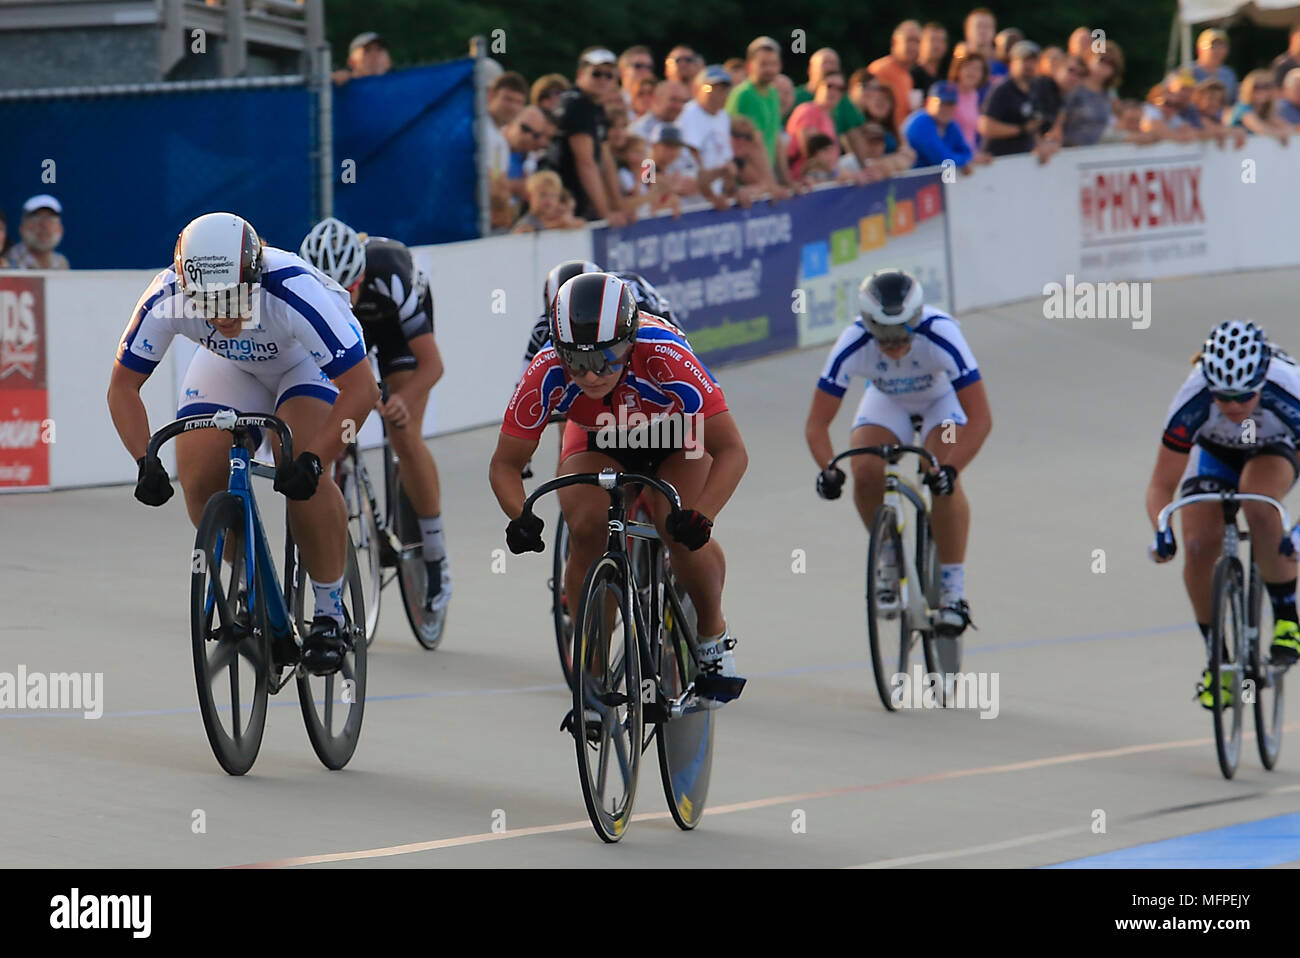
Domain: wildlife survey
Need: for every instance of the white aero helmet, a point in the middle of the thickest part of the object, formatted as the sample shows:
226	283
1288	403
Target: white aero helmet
890	301
218	263
336	250
1235	358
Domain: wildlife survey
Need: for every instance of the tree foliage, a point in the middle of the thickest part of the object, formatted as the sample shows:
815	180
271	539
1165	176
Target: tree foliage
545	36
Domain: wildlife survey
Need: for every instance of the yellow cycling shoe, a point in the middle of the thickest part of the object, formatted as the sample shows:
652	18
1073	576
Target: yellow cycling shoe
1205	694
1286	643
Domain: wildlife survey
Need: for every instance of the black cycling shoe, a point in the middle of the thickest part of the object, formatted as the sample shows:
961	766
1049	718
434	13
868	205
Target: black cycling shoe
324	647
952	619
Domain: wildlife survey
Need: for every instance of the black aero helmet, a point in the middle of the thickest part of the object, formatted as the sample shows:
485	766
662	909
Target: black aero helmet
561	275
890	301
594	319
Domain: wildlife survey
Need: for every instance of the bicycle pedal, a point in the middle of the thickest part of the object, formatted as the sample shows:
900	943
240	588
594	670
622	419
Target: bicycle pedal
656	711
720	688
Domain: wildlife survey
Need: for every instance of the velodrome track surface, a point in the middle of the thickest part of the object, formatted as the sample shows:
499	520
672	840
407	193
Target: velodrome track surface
1096	671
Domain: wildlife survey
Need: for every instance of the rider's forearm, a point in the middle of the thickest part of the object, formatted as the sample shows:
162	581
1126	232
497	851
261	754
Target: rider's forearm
507	486
351	407
1158	496
130	419
819	442
728	466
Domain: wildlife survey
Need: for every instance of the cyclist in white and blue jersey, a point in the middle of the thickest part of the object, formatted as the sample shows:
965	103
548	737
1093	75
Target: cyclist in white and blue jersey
917	364
276	336
1234	424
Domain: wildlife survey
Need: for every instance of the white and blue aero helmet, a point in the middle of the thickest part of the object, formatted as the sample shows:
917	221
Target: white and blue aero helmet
1236	356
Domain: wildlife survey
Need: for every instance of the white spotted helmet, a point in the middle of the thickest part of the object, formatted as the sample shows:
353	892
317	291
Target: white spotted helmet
218	260
336	250
1235	358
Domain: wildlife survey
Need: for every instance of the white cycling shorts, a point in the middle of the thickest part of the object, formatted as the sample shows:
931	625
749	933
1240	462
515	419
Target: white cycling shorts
213	383
895	412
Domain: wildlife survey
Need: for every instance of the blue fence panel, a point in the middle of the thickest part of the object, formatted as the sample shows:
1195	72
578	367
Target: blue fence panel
410	135
132	170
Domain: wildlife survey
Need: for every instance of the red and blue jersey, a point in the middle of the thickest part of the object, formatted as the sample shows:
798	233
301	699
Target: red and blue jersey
663	376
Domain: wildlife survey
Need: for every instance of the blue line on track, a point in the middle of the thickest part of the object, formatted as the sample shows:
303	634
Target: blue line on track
1259	844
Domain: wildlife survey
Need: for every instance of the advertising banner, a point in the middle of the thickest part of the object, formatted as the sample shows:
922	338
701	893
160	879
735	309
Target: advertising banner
744	283
25	428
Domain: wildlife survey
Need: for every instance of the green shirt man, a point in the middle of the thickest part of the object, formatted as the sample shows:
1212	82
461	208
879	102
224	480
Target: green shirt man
763	108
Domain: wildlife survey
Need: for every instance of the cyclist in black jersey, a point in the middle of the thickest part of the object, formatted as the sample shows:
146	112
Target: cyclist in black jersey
392	300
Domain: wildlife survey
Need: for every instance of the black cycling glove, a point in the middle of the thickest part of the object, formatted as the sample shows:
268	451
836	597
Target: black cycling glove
153	487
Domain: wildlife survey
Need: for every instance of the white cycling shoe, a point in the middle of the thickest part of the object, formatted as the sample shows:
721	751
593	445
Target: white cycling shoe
718	682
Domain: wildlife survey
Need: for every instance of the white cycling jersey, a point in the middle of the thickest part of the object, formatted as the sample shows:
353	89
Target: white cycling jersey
301	314
938	362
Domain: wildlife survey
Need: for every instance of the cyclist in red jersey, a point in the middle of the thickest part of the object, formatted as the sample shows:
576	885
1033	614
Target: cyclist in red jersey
626	380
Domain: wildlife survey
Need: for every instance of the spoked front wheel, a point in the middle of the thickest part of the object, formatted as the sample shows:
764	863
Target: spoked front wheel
1266	679
333	705
1227	655
230	640
607	713
890	635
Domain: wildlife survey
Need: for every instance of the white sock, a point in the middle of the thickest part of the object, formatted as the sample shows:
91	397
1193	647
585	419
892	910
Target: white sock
952	582
435	549
329	599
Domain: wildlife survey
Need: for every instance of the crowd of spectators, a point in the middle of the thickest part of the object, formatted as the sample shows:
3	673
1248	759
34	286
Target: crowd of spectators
628	136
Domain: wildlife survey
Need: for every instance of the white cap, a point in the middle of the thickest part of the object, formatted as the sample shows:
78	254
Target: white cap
43	201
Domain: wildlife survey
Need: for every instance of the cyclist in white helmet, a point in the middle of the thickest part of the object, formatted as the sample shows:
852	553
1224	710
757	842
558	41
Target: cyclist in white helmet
917	366
1233	424
277	336
391	297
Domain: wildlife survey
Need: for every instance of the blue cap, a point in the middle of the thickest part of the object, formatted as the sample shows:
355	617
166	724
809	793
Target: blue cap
945	91
717	74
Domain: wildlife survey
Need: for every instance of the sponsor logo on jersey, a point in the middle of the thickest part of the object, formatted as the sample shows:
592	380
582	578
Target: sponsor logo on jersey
241	350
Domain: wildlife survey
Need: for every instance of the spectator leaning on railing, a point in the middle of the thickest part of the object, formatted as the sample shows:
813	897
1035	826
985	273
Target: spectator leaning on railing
875	101
814	116
706	128
1288	106
527	137
577	152
895	68
1209	99
929	62
670	98
969	73
1088	111
1010	123
1254	109
1211	51
1049	91
545	211
1290	60
849	120
42	232
753	166
934	136
507	96
1169	112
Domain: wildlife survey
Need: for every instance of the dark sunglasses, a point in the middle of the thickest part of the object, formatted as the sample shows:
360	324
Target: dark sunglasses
602	362
743	136
1233	397
603	74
